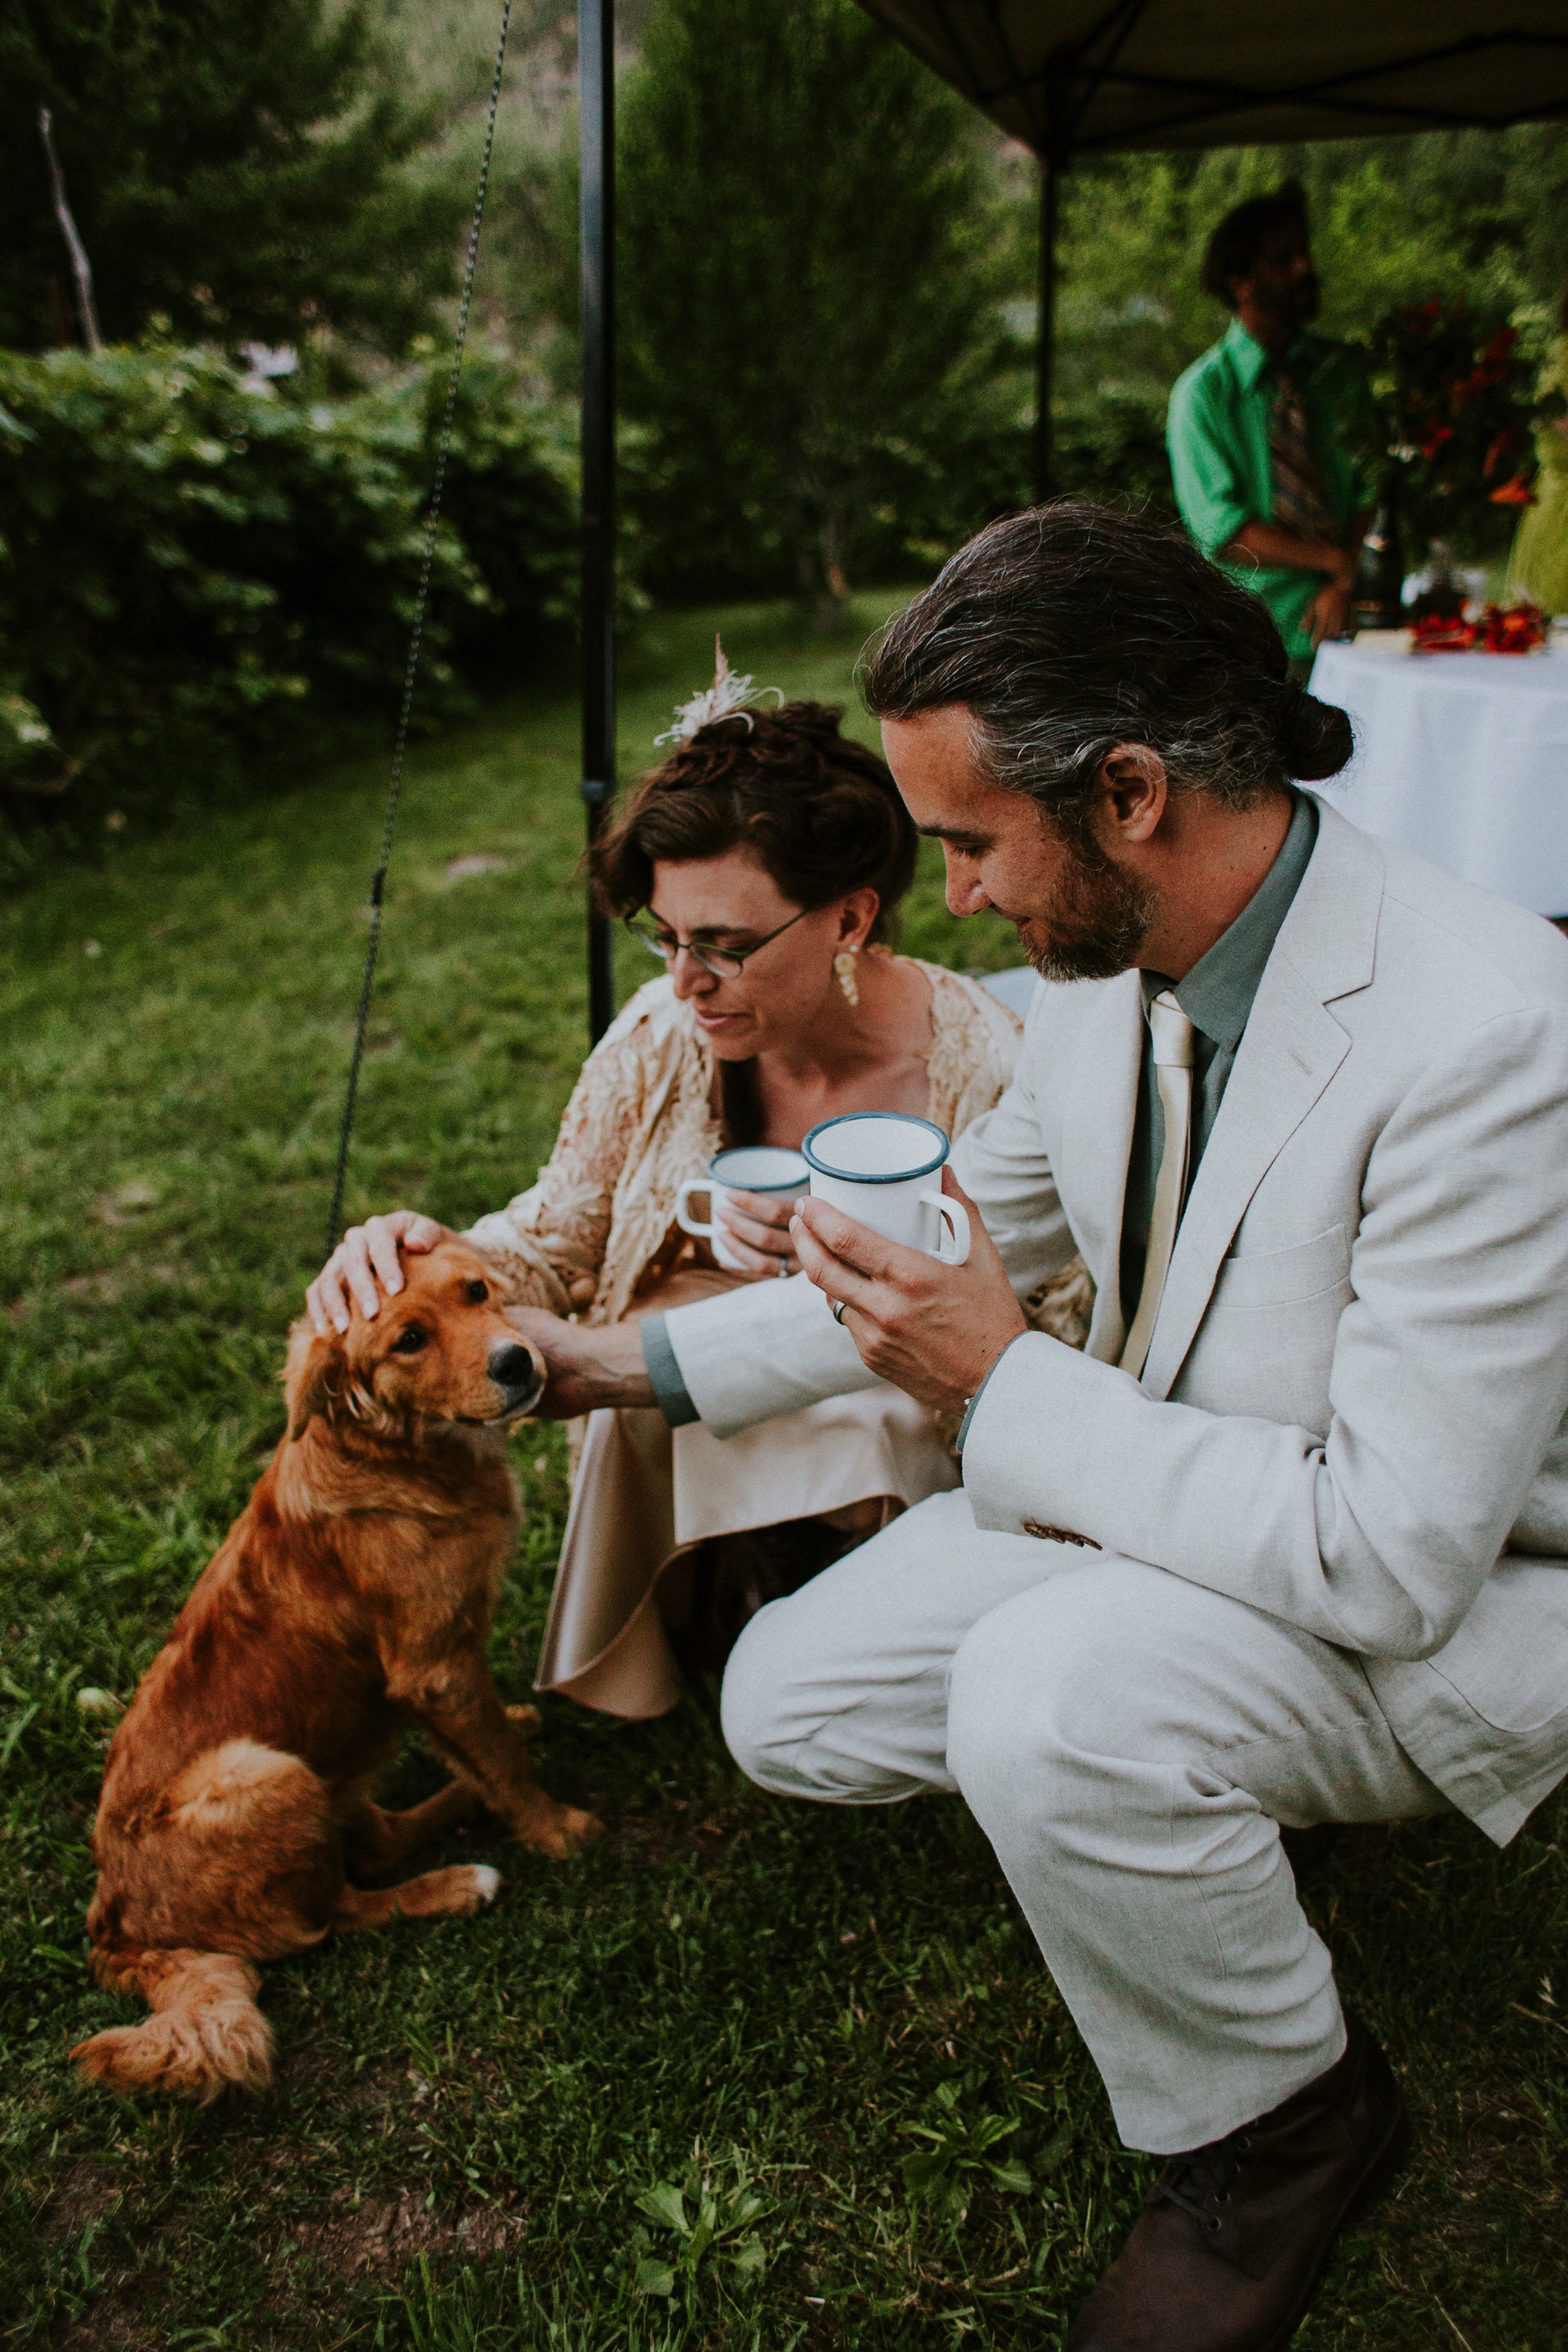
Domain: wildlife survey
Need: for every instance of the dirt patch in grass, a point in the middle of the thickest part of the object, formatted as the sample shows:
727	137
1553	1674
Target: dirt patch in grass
127	1201
707	1832
86	2192
113	2325
106	1286
384	2234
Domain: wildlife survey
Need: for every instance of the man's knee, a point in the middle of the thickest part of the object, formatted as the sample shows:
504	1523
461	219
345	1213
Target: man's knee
1056	1685
758	1707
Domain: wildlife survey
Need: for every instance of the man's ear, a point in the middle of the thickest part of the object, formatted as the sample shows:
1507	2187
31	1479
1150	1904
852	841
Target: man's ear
314	1375
1136	789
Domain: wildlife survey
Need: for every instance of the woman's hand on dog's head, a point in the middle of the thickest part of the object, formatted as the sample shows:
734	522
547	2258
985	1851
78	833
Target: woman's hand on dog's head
365	1263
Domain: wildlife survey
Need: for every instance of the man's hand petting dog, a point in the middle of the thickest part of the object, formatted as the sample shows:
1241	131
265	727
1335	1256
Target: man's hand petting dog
933	1331
602	1365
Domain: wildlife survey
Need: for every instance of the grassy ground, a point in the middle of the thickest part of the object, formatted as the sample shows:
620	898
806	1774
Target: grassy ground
500	2131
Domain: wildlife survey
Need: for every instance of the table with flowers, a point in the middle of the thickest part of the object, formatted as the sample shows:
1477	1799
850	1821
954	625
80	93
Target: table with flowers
1462	756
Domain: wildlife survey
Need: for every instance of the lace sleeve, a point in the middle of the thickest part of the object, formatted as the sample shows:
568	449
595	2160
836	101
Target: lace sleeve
548	1244
975	1042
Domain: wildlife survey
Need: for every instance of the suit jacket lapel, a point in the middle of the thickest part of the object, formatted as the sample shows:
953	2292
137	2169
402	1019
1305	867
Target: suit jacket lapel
1090	1159
1288	1052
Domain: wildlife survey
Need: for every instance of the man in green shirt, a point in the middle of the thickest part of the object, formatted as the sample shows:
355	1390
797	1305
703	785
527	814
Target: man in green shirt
1271	432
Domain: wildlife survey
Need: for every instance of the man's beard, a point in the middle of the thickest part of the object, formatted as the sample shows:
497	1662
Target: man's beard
1098	921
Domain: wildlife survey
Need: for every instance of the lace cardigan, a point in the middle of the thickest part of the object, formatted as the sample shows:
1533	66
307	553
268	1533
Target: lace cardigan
600	1222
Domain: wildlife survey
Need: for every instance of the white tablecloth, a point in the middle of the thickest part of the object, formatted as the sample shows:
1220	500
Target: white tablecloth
1463	757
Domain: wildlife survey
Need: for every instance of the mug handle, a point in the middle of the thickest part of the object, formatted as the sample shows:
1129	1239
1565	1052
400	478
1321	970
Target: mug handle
688	1224
952	1216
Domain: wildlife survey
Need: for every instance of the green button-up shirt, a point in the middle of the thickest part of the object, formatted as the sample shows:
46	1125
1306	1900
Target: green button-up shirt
1216	430
1216	997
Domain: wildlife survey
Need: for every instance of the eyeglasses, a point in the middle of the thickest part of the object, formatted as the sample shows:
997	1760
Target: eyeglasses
725	963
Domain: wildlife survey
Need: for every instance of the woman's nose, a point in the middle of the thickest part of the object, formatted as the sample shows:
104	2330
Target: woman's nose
690	977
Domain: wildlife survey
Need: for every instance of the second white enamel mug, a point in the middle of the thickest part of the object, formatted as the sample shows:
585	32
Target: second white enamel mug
765	1167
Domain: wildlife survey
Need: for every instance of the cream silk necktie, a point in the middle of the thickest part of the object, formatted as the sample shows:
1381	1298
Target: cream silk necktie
1172	1035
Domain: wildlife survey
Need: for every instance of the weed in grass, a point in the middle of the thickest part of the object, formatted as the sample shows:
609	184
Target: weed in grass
734	1997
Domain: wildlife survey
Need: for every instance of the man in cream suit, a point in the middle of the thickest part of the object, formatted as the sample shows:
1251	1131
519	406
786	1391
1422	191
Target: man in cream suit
1286	1543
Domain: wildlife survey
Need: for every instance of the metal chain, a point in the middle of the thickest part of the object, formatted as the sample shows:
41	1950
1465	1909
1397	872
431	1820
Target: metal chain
400	743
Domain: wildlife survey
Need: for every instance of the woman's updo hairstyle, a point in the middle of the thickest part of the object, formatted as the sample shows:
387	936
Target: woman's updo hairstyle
820	813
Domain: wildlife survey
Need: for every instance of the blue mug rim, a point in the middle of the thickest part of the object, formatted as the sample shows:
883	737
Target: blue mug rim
788	1184
901	1175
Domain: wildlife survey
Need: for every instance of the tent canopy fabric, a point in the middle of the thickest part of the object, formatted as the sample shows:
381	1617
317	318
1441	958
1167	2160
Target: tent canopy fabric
1085	76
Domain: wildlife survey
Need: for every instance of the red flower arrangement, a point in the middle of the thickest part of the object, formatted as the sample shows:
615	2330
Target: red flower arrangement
1513	629
1502	629
1460	416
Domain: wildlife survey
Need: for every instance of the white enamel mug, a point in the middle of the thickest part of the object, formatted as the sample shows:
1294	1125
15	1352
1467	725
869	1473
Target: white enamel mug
879	1167
745	1168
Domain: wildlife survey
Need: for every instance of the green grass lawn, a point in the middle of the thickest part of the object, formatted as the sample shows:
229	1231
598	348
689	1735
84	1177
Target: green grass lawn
499	2131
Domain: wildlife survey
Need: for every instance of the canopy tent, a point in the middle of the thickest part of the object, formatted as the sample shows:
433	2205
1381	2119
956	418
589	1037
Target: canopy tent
1073	77
1077	77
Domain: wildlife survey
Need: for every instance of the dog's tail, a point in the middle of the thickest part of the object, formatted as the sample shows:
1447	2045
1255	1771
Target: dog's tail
206	2033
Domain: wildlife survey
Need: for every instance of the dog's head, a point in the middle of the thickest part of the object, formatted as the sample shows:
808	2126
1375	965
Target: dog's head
440	1351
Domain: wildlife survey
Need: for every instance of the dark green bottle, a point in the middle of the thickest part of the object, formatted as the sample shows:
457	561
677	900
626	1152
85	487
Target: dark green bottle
1380	574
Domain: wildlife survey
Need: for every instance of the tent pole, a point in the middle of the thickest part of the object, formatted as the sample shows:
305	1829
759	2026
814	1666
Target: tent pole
1045	348
596	160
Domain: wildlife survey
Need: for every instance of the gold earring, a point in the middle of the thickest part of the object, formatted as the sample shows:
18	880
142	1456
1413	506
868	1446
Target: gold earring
844	972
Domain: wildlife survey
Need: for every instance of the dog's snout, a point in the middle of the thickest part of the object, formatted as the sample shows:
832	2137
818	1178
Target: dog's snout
516	1369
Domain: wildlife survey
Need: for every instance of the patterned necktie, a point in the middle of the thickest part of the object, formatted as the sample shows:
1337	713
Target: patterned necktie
1299	505
1172	1035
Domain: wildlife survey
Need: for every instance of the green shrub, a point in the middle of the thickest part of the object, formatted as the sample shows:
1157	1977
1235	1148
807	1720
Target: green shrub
191	564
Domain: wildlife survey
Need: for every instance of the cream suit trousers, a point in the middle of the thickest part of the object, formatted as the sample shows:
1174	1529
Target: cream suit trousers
1130	1743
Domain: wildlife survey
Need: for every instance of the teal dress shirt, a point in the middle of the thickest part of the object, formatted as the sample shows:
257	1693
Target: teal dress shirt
1216	997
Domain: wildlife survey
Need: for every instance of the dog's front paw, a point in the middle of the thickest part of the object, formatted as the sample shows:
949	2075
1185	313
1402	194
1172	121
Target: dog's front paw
565	1832
473	1885
525	1717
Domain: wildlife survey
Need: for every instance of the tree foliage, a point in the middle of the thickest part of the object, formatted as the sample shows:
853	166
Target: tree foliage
810	345
189	561
235	167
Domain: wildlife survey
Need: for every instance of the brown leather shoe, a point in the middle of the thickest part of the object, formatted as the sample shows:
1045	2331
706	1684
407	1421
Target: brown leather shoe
1235	2234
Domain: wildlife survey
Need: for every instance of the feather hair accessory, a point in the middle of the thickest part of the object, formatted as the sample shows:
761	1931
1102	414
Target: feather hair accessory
727	697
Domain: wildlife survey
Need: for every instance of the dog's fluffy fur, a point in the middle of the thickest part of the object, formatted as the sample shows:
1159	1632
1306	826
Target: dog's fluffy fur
353	1595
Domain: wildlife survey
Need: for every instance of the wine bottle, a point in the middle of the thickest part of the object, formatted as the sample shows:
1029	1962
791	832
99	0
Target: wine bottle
1380	574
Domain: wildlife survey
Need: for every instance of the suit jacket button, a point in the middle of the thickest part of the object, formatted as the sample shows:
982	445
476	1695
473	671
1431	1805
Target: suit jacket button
1060	1535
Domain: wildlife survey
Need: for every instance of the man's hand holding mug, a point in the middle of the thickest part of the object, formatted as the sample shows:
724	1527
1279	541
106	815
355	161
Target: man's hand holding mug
910	1271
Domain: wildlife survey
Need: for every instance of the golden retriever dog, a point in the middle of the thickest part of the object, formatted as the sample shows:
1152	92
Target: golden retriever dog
351	1597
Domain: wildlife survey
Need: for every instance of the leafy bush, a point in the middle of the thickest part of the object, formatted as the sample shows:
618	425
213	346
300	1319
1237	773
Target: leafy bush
189	560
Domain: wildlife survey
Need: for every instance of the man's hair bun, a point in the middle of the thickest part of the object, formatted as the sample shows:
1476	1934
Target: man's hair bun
1315	738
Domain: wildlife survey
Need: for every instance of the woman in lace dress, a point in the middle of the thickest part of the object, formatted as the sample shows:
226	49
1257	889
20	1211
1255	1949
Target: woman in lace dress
761	864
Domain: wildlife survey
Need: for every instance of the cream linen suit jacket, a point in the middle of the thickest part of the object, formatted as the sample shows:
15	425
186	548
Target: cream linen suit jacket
1353	1414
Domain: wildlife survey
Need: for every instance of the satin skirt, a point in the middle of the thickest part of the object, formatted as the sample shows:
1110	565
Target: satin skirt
646	1496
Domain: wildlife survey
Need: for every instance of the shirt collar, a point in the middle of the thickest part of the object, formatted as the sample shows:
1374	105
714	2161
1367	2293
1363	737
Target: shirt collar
1216	994
1249	359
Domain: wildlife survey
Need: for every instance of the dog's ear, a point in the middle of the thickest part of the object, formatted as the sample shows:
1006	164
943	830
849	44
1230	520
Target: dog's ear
314	1375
